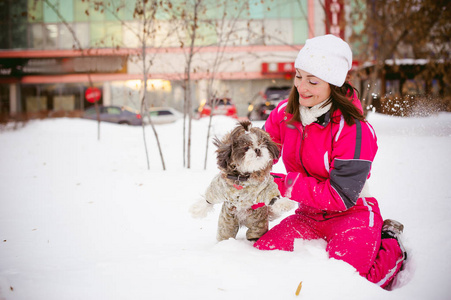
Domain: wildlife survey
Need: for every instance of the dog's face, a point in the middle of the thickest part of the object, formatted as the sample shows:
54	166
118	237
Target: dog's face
246	150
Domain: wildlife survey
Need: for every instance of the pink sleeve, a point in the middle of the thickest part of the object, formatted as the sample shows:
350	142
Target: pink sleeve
354	148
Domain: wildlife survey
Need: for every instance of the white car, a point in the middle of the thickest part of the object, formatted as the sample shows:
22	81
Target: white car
164	115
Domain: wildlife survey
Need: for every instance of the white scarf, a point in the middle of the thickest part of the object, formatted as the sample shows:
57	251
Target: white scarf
311	114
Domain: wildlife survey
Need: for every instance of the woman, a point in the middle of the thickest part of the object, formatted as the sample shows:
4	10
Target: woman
327	149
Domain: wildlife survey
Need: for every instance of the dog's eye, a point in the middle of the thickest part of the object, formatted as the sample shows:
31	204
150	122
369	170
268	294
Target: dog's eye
246	148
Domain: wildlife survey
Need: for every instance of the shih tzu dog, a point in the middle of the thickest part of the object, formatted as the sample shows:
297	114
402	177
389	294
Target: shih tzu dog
245	186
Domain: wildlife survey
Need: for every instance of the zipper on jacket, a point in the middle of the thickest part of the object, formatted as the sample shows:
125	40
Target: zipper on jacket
303	135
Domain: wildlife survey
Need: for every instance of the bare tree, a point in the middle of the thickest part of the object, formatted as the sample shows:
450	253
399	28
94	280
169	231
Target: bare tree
147	18
194	17
145	11
402	29
188	14
226	28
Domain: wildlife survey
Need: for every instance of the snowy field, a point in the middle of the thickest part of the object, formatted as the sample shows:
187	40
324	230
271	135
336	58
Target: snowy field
85	219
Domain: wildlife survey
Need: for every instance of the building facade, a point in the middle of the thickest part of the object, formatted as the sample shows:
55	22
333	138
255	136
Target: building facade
51	51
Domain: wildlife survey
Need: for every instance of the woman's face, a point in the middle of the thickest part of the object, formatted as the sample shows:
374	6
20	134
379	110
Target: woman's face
311	89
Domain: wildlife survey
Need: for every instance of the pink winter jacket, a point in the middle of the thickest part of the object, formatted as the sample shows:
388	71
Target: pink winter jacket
327	162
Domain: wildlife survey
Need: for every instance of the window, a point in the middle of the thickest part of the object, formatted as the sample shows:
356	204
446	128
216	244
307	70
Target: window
278	31
66	40
51	36
82	32
129	32
35	11
36	36
164	113
113	34
97	31
160	113
113	111
19	36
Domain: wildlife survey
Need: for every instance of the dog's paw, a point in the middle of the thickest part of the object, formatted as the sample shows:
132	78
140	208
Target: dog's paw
200	209
284	204
281	206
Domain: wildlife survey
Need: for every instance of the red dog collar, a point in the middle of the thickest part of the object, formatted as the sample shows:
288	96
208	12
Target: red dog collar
258	205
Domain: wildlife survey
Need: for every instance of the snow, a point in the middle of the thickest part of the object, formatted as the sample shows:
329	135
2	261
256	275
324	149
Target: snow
85	219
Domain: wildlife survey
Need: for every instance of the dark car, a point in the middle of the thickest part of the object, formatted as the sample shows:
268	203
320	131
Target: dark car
260	109
114	114
222	106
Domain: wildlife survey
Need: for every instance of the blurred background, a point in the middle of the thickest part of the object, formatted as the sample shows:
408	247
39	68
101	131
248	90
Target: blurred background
184	54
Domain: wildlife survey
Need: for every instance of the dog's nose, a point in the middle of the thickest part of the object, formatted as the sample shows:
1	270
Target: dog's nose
258	151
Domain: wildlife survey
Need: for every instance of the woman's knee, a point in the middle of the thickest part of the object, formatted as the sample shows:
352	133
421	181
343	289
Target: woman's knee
282	236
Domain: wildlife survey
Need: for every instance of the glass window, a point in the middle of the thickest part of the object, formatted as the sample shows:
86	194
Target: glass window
36	40
115	11
64	102
284	9
120	9
113	111
35	103
256	9
19	36
97	31
272	11
18	11
4	9
206	35
300	31
83	35
81	11
4	98
113	34
298	9
278	31
51	36
240	35
35	11
49	13
66	9
255	33
4	37
126	93
130	31
95	12
4	25
91	111
66	39
231	8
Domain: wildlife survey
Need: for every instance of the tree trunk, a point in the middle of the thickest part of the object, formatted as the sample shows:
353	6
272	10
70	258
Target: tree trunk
144	104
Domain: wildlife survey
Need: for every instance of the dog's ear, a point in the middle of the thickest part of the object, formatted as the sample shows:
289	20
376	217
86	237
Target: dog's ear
247	125
272	147
224	152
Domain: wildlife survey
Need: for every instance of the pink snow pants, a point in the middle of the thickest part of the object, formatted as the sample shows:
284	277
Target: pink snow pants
353	236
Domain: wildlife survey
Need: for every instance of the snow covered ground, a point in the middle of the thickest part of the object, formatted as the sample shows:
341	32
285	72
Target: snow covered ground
85	219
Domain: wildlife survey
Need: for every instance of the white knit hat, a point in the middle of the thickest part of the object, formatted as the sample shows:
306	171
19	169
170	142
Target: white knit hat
327	57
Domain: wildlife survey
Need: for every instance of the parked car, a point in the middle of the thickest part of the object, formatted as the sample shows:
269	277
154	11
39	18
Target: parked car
164	115
114	114
261	108
222	106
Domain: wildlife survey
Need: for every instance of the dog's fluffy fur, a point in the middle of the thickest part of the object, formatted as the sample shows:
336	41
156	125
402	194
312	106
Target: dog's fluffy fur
250	197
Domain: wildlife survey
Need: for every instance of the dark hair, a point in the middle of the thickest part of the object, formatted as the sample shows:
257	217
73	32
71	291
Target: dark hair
341	98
